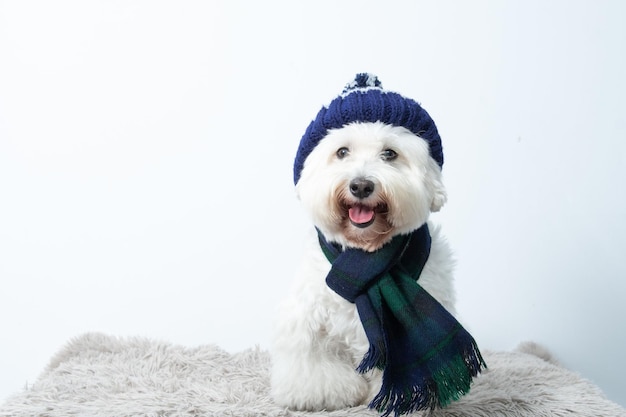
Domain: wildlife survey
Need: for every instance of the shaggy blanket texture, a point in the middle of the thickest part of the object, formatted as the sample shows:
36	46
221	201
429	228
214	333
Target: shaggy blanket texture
99	375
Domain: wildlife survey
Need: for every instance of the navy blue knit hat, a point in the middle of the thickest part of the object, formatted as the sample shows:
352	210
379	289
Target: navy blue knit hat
364	100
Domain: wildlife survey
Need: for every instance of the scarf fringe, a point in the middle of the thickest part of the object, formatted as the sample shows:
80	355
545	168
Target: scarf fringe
374	358
434	389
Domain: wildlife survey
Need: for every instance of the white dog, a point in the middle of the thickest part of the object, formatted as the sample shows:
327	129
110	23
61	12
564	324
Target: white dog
362	183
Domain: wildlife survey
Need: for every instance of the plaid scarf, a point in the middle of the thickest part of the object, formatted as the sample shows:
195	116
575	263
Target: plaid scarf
428	359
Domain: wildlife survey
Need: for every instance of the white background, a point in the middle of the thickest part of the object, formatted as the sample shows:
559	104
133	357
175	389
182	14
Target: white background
146	151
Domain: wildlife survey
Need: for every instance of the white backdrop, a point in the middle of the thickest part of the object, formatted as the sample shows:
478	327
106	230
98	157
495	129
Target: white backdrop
146	151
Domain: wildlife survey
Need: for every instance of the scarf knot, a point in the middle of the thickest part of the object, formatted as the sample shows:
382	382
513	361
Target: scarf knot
428	359
353	274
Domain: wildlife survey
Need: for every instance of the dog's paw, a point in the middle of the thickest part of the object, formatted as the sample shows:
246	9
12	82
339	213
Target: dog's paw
322	388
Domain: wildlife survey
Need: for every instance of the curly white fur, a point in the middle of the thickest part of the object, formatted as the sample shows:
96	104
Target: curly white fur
319	339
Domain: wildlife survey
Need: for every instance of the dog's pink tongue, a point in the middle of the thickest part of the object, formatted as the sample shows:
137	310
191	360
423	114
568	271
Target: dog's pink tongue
360	214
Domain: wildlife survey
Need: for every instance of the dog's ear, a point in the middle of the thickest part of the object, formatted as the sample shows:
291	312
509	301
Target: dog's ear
439	199
440	196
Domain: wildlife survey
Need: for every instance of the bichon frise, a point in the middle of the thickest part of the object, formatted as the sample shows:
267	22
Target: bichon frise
368	172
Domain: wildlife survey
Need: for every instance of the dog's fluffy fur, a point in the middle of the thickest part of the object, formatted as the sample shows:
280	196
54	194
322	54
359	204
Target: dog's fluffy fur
319	338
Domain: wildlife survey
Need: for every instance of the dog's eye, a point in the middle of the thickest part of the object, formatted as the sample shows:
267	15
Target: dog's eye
389	155
342	152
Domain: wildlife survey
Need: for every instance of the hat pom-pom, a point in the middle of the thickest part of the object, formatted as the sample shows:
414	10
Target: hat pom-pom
362	80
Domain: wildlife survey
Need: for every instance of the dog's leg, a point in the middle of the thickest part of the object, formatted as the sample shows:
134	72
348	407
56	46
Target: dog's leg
312	370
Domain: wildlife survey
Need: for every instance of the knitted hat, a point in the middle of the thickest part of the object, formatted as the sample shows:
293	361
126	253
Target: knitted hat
364	100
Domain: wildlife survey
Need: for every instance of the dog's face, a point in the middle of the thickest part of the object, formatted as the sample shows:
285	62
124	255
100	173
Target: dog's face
367	182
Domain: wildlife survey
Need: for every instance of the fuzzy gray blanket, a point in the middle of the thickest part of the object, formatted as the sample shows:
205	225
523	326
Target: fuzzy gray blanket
100	375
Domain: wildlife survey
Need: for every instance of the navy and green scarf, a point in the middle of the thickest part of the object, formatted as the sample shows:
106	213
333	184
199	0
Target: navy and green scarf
428	359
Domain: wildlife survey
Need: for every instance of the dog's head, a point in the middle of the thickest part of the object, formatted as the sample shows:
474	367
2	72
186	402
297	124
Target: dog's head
367	182
369	166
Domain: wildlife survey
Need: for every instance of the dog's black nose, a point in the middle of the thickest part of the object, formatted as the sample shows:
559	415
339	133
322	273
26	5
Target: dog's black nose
361	188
